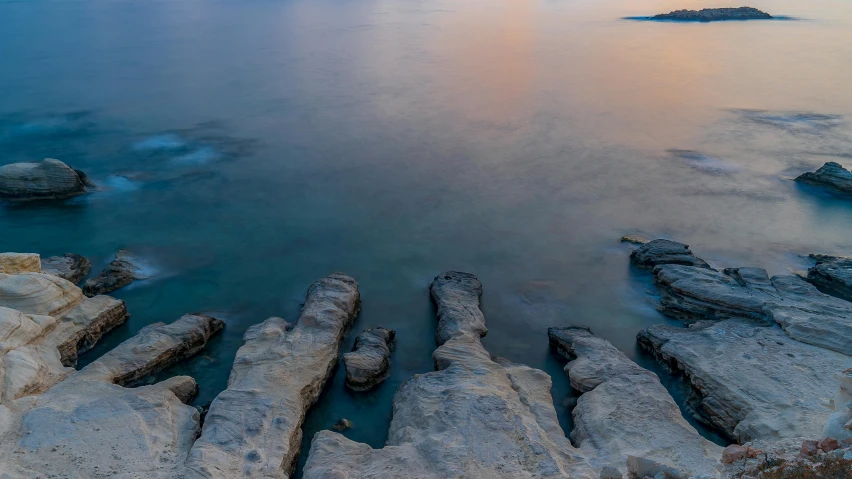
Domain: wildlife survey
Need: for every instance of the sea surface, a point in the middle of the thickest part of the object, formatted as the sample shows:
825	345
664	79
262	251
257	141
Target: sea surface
244	149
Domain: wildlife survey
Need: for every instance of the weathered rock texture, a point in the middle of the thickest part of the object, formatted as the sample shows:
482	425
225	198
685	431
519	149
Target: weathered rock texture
839	424
804	313
119	273
89	426
71	267
17	263
832	274
254	428
714	14
663	251
48	179
625	416
830	175
473	417
40	294
750	379
368	363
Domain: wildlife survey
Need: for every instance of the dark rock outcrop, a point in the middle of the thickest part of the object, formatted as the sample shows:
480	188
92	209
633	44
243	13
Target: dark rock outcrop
714	15
663	251
45	180
71	267
119	273
833	274
830	175
368	363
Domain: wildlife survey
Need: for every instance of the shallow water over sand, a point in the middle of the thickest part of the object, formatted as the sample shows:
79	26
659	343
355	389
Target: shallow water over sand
245	149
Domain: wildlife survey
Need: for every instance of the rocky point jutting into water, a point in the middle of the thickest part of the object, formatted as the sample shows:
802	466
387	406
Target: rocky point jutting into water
714	14
830	175
833	274
45	180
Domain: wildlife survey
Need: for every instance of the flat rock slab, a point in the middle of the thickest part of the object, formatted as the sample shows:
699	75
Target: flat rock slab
45	180
17	263
368	363
663	251
806	314
37	293
833	274
830	175
625	417
71	267
254	428
473	417
751	381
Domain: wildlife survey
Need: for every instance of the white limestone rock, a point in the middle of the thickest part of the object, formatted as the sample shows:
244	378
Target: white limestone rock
368	363
839	424
474	417
45	180
40	294
625	418
753	381
254	428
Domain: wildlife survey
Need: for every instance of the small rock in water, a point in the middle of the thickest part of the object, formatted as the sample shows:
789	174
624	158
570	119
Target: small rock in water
119	273
71	267
635	239
663	251
368	363
831	175
342	424
49	179
714	14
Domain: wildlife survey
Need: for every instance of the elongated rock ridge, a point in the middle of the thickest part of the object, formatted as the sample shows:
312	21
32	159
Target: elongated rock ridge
625	417
474	417
832	274
368	363
46	180
254	428
830	175
714	15
750	379
120	272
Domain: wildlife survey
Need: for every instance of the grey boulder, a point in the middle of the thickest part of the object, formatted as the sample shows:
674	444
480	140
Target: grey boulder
663	251
120	272
368	363
830	175
71	267
45	180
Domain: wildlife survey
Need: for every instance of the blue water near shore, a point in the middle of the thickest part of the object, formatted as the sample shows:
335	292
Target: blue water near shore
246	148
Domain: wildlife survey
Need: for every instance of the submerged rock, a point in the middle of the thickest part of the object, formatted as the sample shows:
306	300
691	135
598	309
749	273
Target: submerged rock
833	274
830	175
17	263
473	417
751	380
804	313
71	267
663	251
122	271
254	428
368	363
625	416
48	179
714	14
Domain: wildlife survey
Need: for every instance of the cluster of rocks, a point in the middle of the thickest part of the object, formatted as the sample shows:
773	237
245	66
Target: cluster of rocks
49	179
714	14
830	175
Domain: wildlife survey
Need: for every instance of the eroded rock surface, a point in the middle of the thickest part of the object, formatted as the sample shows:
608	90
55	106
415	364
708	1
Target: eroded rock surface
833	274
254	428
473	417
625	416
88	425
17	263
830	175
48	179
40	294
714	15
121	271
751	380
368	363
71	267
839	424
803	312
663	251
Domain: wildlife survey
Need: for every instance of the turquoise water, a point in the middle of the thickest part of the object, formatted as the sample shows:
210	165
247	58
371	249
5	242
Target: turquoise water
246	148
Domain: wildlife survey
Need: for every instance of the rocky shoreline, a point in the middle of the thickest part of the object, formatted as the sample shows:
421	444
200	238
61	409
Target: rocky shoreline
762	357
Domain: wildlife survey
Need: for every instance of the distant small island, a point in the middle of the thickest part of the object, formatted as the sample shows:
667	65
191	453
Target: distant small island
714	15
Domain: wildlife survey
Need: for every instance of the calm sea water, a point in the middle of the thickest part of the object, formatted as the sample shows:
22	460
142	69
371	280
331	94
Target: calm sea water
246	148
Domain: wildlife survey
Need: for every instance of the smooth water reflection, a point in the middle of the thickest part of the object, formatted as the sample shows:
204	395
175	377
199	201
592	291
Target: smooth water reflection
248	148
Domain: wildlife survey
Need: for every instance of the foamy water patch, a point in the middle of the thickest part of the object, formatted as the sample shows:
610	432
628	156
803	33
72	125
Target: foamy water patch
120	183
708	163
167	141
200	156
